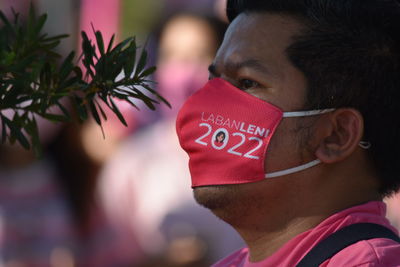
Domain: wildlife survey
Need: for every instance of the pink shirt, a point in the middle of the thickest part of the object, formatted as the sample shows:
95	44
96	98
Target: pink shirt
375	252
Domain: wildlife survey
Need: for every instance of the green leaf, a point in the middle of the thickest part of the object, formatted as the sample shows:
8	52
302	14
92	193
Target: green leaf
130	101
96	116
119	46
131	59
147	100
148	72
100	42
64	111
103	114
157	95
54	117
80	108
39	24
94	112
32	129
67	66
32	78
78	72
117	112
5	20
87	49
55	38
110	44
15	132
142	63
31	17
10	98
3	130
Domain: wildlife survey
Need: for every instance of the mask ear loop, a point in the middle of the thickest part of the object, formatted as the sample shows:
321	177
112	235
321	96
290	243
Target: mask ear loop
363	144
309	164
306	113
293	170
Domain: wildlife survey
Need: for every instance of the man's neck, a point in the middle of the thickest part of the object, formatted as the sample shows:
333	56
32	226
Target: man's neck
268	224
263	242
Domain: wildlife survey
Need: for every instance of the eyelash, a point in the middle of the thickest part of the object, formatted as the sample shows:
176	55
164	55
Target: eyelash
241	82
244	87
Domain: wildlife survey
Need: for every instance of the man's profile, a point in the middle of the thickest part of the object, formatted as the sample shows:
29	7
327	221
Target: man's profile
322	77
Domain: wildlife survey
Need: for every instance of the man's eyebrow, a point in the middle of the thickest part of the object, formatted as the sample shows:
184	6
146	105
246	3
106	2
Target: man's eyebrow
235	66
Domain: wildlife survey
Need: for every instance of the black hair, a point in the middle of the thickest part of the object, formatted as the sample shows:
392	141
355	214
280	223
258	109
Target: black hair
218	134
349	52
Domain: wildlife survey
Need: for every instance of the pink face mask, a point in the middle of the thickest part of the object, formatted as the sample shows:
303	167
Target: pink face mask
177	81
226	133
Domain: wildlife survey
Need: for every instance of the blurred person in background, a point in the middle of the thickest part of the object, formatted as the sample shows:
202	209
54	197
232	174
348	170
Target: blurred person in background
36	226
48	212
81	150
143	185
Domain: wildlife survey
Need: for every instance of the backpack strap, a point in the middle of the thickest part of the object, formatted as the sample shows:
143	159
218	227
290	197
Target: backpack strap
343	238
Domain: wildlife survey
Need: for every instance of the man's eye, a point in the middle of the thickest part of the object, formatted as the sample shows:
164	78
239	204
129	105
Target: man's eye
247	84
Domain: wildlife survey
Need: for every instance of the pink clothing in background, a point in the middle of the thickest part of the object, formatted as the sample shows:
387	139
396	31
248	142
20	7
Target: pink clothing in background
103	14
375	252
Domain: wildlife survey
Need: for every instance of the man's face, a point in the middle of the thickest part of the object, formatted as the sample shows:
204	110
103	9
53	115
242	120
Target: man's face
253	58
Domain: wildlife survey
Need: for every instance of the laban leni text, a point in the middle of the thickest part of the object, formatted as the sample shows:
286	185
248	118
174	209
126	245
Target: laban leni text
221	136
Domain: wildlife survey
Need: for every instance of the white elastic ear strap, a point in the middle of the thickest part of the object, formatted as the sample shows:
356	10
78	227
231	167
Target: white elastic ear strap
306	113
363	144
309	164
293	170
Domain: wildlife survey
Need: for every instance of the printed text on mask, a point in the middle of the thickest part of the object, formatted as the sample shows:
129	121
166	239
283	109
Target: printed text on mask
220	137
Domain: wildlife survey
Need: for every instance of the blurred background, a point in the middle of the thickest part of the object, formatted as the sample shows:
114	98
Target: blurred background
124	200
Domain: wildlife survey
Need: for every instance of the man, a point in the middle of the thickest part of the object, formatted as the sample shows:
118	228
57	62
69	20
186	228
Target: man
307	91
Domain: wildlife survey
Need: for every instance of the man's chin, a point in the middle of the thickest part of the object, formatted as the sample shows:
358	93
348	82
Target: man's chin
215	197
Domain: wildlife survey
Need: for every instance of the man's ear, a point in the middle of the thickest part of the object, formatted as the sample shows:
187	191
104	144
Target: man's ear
341	133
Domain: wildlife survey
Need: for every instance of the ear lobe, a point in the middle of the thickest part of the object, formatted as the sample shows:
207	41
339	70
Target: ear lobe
343	132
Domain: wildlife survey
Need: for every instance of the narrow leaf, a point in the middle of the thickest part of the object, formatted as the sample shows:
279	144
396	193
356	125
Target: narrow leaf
80	108
5	20
131	59
103	114
55	38
64	111
87	49
54	117
142	62
157	95
110	44
130	101
100	42
147	100
94	112
32	129
117	112
118	48
17	133
3	130
39	24
148	72
67	66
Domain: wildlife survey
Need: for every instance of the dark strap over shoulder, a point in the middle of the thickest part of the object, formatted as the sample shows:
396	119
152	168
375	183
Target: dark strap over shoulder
343	238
